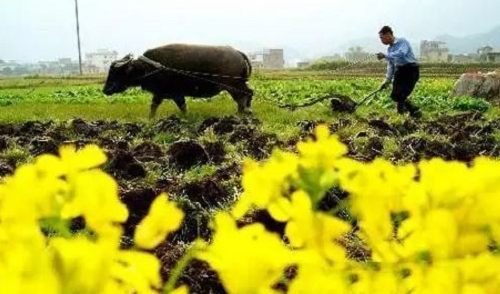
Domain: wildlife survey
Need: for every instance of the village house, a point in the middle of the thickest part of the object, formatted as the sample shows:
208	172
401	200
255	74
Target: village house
99	62
267	59
434	51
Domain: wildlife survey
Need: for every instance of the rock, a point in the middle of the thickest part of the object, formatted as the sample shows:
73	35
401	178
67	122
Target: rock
479	85
490	89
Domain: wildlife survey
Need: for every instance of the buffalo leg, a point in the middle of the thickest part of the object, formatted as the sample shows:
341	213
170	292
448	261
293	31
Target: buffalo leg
181	103
154	106
249	95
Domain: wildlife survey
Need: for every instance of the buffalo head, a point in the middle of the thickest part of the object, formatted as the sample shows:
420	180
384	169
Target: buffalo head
119	76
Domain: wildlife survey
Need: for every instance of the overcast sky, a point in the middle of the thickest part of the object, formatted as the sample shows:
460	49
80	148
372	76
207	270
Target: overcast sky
45	29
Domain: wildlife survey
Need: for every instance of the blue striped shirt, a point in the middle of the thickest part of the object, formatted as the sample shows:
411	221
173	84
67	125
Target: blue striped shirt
398	54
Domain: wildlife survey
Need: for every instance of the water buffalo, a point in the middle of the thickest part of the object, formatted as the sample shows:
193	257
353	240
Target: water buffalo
179	70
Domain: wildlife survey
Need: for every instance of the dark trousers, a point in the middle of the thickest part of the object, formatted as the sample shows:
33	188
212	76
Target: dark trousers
405	79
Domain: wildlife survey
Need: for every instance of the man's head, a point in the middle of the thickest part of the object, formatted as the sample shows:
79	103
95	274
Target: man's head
386	35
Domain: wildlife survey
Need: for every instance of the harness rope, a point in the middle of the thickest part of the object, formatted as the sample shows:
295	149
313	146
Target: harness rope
196	74
193	74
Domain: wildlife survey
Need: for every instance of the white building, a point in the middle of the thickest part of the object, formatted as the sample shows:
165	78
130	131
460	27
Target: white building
267	59
434	51
99	61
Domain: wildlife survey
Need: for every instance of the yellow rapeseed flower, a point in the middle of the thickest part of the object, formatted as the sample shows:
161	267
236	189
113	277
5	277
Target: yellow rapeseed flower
248	260
163	218
265	185
96	199
136	272
315	231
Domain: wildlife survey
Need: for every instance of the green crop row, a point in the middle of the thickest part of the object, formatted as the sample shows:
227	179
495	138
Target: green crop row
433	94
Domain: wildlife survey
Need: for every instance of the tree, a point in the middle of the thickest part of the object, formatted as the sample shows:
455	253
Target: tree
7	71
356	53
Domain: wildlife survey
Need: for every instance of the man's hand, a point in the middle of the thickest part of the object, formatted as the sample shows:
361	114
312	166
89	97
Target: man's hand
380	56
385	85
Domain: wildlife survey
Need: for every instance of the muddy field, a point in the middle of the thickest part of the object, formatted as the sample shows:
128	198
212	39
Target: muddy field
199	165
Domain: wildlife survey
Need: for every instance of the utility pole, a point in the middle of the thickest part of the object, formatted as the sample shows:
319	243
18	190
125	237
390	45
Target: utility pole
78	35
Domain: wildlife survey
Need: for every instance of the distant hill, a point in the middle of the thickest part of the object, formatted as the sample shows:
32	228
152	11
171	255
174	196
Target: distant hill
371	45
469	44
457	45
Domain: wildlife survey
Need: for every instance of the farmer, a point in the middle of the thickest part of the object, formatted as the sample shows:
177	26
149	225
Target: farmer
402	67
